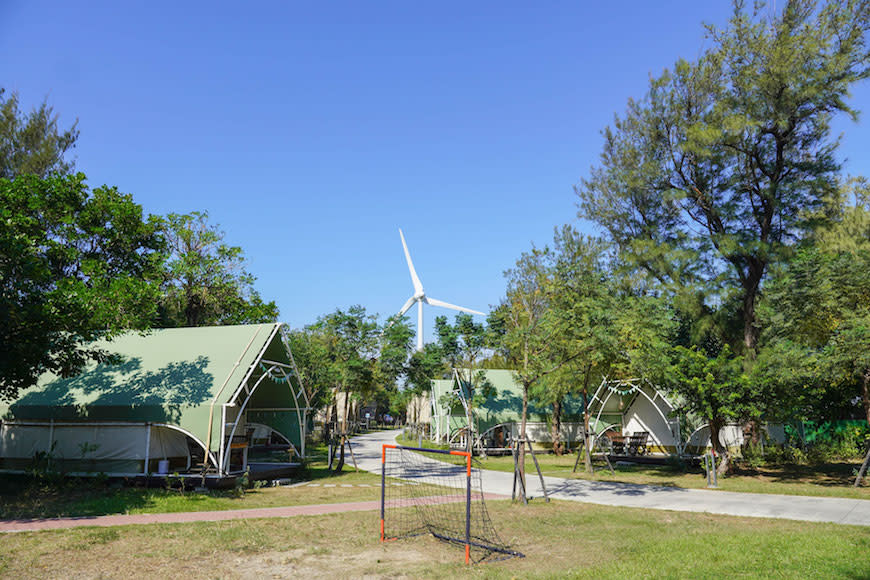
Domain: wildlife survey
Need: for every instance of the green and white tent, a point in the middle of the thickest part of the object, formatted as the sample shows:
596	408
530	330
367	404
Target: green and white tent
502	406
173	399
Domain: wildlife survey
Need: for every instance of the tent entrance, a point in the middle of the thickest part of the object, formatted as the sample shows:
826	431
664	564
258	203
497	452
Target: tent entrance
258	421
636	406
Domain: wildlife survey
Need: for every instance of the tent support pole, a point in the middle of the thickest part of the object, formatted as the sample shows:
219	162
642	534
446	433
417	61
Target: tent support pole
147	448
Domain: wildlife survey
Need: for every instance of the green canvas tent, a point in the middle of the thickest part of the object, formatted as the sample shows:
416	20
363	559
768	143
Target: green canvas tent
175	400
501	407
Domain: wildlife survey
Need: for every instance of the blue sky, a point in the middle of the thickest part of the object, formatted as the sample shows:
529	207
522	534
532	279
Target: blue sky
312	131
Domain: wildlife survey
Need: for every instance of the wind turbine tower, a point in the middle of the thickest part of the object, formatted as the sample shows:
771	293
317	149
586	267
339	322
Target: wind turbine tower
420	297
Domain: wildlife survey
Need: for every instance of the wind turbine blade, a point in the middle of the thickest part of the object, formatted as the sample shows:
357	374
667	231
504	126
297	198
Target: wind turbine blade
418	286
434	302
407	305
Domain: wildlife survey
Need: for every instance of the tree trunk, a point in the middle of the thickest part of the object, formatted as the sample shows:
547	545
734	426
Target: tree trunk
750	289
557	428
716	425
327	426
863	470
343	436
521	456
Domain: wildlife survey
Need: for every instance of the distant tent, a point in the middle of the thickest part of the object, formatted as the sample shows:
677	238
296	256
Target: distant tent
178	400
500	410
636	406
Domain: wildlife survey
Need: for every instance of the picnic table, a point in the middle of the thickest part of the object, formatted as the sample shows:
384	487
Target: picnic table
628	444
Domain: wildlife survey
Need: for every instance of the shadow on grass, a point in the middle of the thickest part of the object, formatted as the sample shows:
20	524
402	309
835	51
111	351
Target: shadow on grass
822	474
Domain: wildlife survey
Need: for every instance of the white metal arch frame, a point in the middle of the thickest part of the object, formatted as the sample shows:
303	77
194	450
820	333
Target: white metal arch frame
208	457
459	392
274	371
633	387
510	426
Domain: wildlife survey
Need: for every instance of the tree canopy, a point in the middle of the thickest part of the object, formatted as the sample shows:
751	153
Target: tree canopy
205	281
705	180
75	265
33	143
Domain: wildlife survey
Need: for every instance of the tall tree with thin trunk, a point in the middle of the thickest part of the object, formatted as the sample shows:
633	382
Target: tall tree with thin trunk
33	143
705	180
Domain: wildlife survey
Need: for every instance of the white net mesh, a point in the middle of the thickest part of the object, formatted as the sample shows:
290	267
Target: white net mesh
430	491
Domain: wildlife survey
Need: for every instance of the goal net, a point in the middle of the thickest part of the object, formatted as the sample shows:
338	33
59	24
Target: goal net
431	491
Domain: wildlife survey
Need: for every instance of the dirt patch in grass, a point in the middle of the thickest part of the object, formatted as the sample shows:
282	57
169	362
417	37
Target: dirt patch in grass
410	561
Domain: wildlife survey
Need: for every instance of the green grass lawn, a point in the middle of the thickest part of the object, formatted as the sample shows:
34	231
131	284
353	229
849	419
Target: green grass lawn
560	540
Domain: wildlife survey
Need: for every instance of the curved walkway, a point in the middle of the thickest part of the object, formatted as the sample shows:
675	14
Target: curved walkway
367	449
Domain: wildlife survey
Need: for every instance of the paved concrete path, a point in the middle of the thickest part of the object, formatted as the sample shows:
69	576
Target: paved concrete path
367	449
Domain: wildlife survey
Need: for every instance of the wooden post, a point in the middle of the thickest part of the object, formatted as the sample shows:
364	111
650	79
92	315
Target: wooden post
538	467
863	470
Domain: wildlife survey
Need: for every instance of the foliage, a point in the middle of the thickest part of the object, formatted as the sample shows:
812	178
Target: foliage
33	143
567	322
462	346
205	280
344	347
819	306
75	265
424	365
705	181
714	387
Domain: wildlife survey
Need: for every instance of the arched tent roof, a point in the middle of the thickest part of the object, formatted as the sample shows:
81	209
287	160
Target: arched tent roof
180	377
639	399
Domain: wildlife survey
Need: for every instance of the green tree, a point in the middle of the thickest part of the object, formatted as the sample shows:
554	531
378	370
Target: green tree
521	319
586	307
205	279
349	343
716	388
820	304
705	181
462	346
75	265
396	343
32	143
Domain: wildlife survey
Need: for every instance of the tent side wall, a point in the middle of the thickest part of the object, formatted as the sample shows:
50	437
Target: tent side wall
91	447
642	415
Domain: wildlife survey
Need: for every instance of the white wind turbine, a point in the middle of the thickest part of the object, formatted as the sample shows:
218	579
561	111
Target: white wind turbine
420	297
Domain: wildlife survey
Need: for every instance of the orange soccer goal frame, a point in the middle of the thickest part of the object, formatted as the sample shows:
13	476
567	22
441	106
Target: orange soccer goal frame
467	539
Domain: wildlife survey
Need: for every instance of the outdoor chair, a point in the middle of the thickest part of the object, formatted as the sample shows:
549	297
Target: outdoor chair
617	442
637	443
